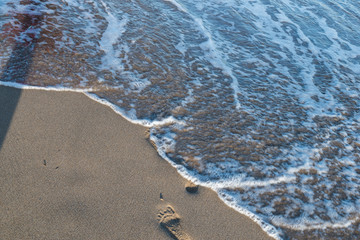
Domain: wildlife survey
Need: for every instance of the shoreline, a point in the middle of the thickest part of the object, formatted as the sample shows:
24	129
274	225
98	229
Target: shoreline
93	175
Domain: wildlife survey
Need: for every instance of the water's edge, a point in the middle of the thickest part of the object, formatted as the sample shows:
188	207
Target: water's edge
269	229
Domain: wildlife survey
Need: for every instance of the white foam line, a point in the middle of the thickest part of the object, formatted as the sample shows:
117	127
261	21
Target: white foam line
212	49
118	110
321	226
178	5
90	92
228	200
53	88
110	37
217	61
268	228
238	182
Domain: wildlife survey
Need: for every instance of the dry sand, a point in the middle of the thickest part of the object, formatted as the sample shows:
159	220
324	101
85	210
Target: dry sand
71	168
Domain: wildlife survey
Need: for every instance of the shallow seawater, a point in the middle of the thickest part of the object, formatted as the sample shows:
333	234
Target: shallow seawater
258	100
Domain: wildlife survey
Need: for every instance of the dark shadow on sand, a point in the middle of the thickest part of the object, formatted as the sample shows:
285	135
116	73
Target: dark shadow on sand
9	98
19	63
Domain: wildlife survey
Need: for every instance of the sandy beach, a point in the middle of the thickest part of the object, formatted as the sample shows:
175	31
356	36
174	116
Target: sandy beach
71	168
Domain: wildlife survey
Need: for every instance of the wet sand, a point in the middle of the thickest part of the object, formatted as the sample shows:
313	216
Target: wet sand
71	168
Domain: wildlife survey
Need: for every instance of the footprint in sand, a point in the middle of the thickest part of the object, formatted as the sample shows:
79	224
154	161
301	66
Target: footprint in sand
170	220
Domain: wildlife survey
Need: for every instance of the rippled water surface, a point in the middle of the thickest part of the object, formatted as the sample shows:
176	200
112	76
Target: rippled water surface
258	100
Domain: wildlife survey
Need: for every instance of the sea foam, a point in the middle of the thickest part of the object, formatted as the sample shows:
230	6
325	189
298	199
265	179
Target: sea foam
257	100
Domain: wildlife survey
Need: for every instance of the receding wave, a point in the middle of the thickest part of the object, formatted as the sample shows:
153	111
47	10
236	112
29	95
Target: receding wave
258	100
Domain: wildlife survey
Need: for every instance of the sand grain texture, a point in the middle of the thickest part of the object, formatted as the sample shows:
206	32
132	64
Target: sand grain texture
71	168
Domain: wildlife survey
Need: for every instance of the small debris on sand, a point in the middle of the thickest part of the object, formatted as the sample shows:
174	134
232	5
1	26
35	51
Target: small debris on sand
191	187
